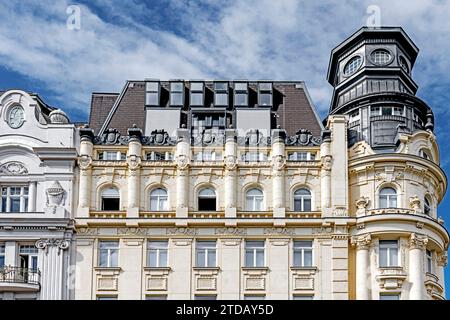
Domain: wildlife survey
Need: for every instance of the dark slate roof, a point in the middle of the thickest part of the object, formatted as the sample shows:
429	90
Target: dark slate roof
291	103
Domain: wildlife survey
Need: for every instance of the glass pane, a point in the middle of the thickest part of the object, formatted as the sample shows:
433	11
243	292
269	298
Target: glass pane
151	99
265	86
2	261
196	99
383	257
162	258
306	204
152	258
393	257
114	259
393	202
297	258
154	204
383	202
240	86
249	258
211	258
176	99
221	99
260	258
297	205
240	99
307	255
15	204
196	86
176	87
152	86
201	258
265	99
389	297
220	86
103	258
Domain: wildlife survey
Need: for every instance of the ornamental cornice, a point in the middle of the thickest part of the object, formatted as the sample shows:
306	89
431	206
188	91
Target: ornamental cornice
181	231
418	241
361	242
133	231
279	231
232	231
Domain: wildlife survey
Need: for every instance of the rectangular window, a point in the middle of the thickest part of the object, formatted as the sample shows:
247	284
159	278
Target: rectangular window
221	94
197	94
157	254
156	297
429	261
112	156
2	255
206	254
265	94
254	157
387	111
388	255
208	156
303	253
301	156
14	199
109	254
176	93
241	94
159	156
354	116
254	253
205	297
389	296
28	256
152	90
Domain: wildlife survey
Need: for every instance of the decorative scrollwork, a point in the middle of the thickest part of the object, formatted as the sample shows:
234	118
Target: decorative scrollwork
61	244
111	137
254	137
13	168
303	137
209	138
158	138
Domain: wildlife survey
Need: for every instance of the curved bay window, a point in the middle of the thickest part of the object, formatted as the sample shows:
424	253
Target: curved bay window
388	198
254	200
302	200
207	200
110	199
158	200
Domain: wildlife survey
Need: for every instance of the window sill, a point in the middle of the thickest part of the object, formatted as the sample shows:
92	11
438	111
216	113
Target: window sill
206	268
255	268
157	268
114	271
304	268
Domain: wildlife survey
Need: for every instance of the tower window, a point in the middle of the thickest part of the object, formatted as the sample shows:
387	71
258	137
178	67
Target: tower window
197	93
429	256
176	93
265	94
426	206
221	93
403	64
353	65
241	94
380	57
152	90
207	200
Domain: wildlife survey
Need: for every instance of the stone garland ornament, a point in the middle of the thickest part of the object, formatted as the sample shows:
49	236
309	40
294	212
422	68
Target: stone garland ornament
182	162
13	168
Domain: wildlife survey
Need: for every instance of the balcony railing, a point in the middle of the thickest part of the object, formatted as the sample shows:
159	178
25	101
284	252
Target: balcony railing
24	277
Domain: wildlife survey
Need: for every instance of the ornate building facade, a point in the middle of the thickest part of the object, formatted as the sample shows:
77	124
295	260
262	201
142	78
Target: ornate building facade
235	189
37	177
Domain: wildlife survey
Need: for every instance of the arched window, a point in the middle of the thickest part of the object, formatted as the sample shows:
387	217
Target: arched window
302	200
254	200
426	206
110	199
388	198
207	200
158	200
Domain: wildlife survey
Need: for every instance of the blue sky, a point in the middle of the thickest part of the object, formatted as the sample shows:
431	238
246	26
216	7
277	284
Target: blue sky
265	39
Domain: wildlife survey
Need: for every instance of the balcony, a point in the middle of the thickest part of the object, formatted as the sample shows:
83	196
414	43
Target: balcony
434	289
19	279
391	277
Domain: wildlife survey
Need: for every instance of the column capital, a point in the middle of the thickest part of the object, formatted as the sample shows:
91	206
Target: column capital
418	241
61	244
361	242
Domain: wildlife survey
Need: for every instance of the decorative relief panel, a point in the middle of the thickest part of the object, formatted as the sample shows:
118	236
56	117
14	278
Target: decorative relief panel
156	279
107	283
255	279
279	231
303	278
231	231
13	168
182	231
206	283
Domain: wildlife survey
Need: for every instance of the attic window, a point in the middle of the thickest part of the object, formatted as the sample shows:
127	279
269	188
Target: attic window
197	94
152	90
241	94
265	94
112	156
176	93
221	93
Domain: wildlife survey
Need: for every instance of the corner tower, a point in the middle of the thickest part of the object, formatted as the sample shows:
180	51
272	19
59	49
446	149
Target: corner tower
373	85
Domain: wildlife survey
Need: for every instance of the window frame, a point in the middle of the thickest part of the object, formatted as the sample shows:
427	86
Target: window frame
388	245
173	91
102	197
158	199
298	156
389	198
159	247
222	92
265	91
386	294
110	250
301	249
254	200
240	92
201	246
152	91
6	203
346	69
204	196
302	198
427	207
429	261
253	250
2	254
103	155
195	92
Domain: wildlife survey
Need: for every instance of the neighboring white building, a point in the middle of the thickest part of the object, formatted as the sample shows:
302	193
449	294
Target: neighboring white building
37	175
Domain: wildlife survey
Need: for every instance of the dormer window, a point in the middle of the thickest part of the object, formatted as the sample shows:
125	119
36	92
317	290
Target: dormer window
221	94
152	90
353	65
241	94
176	94
197	94
265	94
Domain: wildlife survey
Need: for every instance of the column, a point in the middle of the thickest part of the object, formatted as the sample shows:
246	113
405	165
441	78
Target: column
134	163
442	261
53	272
32	196
85	163
362	244
325	175
278	166
183	158
417	245
230	173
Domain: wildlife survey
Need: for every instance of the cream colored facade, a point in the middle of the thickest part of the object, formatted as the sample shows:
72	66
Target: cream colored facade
344	222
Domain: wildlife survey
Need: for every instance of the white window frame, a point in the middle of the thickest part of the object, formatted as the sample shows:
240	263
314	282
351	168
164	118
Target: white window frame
265	91
109	155
389	295
149	91
253	250
196	92
221	92
2	254
240	92
302	198
103	196
389	246
208	250
301	156
300	248
177	92
352	117
157	199
256	201
389	198
158	247
31	254
378	110
5	199
110	246
163	156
